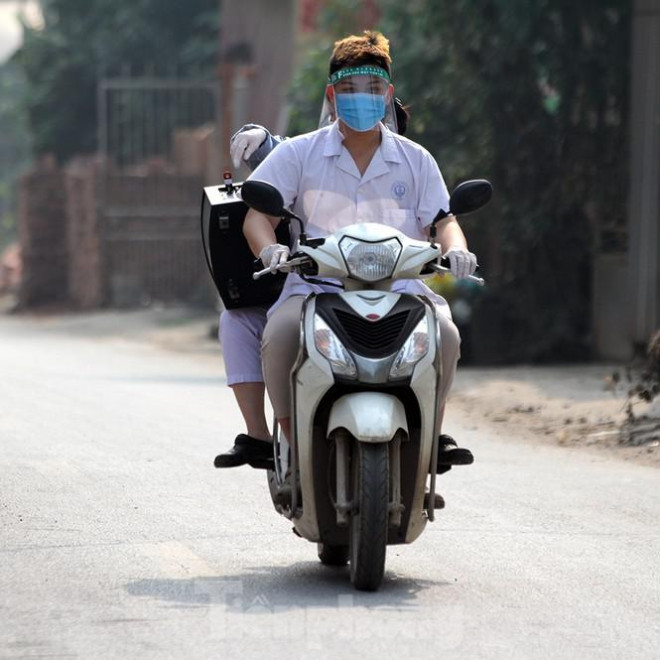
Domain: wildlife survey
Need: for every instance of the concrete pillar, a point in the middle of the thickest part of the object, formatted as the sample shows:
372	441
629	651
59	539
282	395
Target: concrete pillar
644	253
257	42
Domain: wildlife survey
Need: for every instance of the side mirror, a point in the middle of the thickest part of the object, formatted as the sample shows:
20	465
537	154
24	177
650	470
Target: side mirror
263	197
470	196
267	199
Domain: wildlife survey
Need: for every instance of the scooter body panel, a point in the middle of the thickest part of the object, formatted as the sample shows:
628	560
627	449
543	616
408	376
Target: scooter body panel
368	416
371	409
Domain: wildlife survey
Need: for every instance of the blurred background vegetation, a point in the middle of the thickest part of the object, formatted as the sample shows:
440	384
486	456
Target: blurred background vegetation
14	146
48	89
531	95
109	38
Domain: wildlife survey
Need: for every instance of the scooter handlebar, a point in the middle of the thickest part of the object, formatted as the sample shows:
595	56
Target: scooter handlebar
443	267
260	273
286	267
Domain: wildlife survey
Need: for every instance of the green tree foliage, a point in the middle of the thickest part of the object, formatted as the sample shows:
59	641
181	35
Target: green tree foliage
337	19
534	97
14	147
307	89
81	42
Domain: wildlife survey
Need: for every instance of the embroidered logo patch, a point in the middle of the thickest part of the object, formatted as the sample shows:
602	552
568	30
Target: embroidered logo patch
399	189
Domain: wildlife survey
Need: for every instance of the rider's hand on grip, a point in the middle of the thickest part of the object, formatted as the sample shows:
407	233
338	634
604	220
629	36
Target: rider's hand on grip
273	255
461	262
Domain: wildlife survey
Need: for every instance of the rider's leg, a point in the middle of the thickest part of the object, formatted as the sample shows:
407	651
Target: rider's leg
285	426
279	351
451	350
448	452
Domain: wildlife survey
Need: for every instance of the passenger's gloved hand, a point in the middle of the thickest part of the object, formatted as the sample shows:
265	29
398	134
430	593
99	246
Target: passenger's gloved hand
461	262
244	144
273	255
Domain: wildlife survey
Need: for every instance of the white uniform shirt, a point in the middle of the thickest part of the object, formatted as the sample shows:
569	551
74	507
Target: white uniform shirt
320	182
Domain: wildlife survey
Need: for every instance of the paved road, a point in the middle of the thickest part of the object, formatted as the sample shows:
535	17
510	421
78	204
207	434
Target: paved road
119	539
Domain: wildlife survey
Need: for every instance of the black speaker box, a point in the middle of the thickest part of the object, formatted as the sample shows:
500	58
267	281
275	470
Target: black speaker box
228	256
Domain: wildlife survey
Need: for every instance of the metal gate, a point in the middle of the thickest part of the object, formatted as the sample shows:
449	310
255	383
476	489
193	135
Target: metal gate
158	148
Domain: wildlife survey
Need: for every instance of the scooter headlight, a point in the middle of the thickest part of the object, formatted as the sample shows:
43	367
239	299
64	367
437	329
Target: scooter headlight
328	345
415	348
370	262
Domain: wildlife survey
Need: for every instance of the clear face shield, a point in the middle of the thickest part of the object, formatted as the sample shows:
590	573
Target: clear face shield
361	97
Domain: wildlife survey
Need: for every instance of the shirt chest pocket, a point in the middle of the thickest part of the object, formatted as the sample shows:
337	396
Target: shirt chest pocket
404	220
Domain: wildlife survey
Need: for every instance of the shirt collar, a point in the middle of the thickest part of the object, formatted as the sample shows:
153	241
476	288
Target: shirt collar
333	144
388	145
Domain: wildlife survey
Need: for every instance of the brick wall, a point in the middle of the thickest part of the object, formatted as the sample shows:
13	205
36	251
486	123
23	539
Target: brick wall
43	236
91	239
150	239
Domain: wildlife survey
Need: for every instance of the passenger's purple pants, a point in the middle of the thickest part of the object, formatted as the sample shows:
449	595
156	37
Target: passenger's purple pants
240	335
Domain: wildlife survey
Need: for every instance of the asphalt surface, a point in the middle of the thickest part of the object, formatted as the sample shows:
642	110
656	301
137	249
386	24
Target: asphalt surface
119	539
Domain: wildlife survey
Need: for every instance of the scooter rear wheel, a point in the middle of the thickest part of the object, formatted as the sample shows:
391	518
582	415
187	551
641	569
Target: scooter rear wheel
369	519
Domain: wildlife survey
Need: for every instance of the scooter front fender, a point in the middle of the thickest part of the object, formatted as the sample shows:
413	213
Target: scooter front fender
368	416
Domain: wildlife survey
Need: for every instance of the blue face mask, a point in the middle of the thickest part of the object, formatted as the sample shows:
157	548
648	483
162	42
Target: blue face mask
360	111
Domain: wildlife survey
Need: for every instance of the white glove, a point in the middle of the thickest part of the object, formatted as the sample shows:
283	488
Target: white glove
273	255
244	144
461	262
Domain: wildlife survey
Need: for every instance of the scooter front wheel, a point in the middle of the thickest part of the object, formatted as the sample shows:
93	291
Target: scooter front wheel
369	518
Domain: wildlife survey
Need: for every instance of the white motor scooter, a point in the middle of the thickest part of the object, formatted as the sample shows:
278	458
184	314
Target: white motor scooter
360	470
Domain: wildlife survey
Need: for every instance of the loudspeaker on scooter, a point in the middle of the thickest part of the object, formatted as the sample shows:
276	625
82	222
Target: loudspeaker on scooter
228	255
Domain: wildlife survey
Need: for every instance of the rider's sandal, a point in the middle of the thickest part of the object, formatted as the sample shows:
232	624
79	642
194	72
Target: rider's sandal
438	501
449	453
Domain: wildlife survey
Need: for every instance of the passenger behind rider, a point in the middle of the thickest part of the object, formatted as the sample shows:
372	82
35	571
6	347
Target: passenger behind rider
361	167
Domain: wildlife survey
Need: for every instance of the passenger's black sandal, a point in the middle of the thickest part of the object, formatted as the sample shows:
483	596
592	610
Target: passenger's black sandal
247	450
